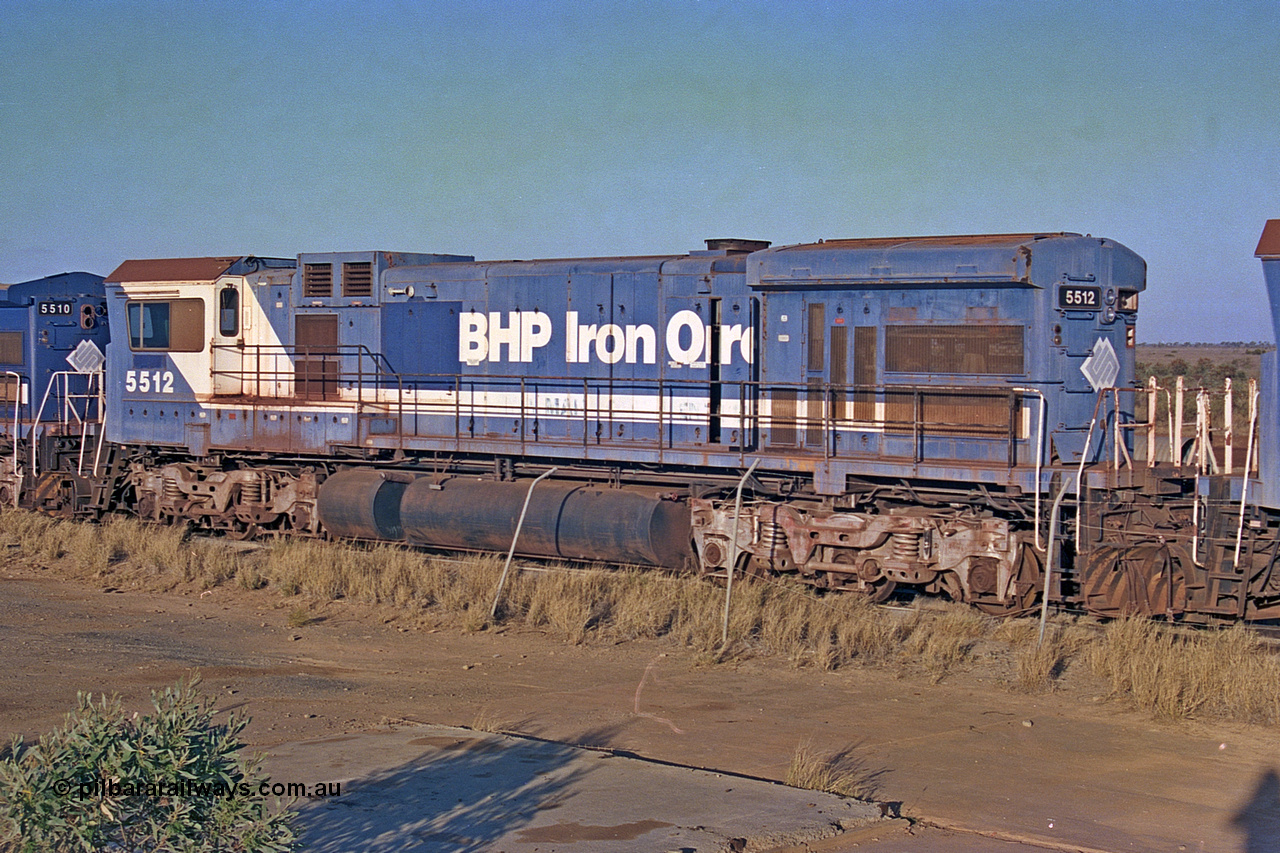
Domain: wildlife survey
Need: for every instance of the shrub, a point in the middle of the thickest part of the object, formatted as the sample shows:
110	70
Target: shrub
110	781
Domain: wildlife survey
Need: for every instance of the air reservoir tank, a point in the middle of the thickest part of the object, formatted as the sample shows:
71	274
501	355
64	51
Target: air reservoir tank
362	503
567	520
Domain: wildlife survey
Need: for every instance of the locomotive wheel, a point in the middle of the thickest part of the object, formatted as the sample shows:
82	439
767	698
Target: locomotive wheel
865	580
872	582
1025	590
146	507
242	532
1146	580
878	591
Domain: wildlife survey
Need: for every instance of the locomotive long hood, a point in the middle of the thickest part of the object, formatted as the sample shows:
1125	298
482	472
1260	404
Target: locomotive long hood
993	260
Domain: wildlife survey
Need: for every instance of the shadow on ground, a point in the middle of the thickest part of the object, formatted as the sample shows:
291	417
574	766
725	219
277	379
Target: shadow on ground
463	796
1260	817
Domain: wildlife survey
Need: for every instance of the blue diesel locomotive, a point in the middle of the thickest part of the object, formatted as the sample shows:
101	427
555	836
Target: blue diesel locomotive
53	334
949	413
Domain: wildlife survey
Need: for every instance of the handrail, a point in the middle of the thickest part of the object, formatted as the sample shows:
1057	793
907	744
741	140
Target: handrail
502	582
68	408
750	392
1084	458
1244	486
1049	555
907	414
733	549
17	405
311	351
1204	451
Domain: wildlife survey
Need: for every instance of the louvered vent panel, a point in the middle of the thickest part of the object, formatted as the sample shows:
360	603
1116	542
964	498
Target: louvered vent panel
357	279
782	431
840	371
864	373
317	281
815	413
817	327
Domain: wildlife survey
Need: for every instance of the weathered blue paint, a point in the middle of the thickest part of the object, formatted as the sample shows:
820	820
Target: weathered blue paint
53	315
650	360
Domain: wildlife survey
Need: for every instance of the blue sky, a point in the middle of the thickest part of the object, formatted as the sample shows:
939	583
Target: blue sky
538	129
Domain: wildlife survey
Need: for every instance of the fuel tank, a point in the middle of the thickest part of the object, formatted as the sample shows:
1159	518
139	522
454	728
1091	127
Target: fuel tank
361	503
572	521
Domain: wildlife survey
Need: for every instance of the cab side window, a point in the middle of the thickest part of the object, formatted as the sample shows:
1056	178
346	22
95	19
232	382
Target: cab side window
229	312
173	325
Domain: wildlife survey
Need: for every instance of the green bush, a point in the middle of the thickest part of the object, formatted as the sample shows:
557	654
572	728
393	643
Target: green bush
169	781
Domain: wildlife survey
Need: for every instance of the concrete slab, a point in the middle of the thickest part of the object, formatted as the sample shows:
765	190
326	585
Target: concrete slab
433	788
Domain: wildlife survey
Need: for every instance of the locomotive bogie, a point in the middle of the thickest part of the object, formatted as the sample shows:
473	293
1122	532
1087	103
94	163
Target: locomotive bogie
240	501
972	556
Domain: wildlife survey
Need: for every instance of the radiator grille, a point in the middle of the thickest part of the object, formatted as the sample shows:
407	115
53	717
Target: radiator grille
978	350
11	348
967	412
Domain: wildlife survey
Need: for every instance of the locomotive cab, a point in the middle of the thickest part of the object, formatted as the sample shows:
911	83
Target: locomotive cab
187	323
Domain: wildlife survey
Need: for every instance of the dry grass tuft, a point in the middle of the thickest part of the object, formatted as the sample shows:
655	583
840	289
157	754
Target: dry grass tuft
841	773
125	550
1175	674
486	721
939	641
299	617
1041	664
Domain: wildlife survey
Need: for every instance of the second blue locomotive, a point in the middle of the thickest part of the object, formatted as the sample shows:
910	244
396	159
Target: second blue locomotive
53	334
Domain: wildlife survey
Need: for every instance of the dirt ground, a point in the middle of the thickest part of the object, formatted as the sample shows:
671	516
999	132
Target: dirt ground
1065	770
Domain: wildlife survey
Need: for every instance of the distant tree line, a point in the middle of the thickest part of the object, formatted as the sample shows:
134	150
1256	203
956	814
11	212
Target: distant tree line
1261	346
1202	373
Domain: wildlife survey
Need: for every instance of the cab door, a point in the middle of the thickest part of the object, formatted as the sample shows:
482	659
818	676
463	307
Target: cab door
317	360
228	339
